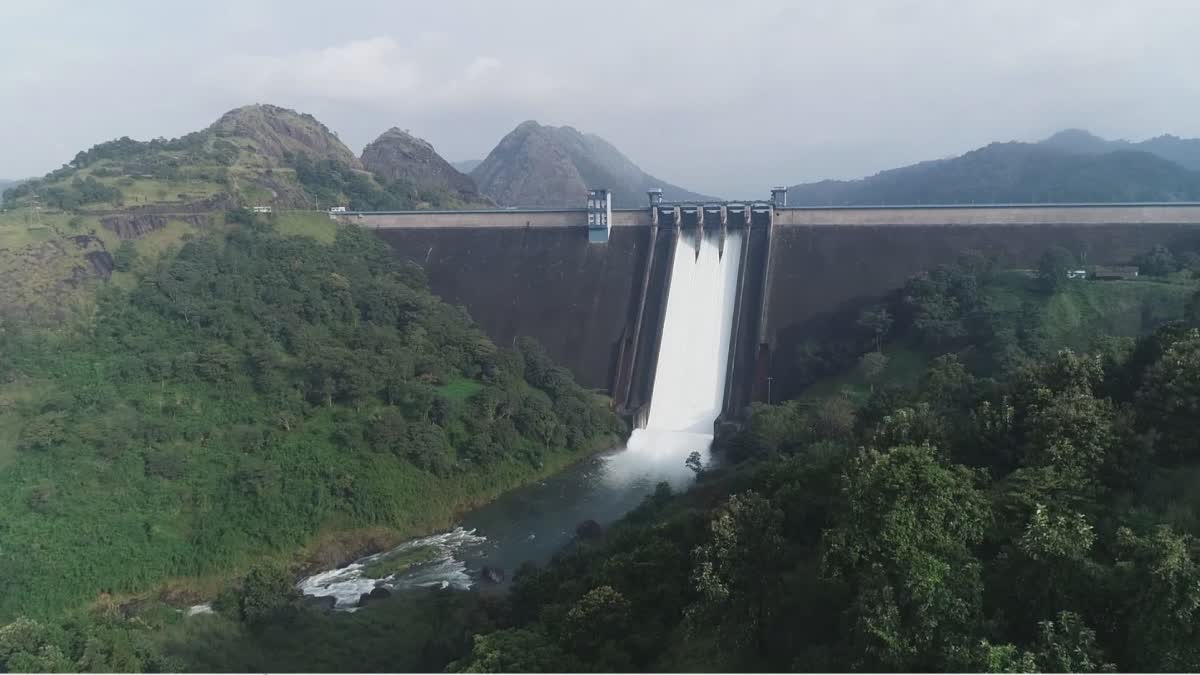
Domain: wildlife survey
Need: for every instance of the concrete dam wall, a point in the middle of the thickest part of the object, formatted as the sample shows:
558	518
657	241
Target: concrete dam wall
583	302
598	308
819	271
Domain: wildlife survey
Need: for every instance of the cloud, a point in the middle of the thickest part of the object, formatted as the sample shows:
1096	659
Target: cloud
481	67
699	92
360	70
424	74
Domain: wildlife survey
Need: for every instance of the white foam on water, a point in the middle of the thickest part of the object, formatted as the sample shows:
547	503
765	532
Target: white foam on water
347	584
693	355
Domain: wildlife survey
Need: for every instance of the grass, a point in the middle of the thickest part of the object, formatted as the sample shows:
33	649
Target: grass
20	392
904	367
315	224
9	431
42	264
1082	310
141	191
460	389
22	227
1074	317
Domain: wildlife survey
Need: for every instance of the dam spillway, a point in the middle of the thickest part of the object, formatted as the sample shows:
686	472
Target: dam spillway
693	354
689	381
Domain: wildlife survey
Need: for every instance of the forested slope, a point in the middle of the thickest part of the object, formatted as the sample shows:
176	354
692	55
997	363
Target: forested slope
1013	508
247	395
997	504
1013	173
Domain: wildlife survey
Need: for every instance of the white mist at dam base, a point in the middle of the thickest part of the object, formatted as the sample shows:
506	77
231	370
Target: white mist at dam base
534	522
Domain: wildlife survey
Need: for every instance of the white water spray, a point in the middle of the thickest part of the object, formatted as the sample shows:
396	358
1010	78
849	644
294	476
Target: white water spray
347	584
689	382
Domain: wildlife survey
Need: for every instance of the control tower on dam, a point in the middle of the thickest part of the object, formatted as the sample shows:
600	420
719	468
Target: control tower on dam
591	283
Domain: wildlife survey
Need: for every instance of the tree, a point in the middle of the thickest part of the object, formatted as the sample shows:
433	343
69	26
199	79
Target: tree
871	365
1161	580
427	449
1191	313
694	463
266	592
878	321
1068	645
1053	266
770	430
936	303
917	425
1069	430
1169	398
43	432
834	417
27	646
1157	262
946	384
1064	645
125	257
516	650
903	543
596	628
1050	562
535	417
737	571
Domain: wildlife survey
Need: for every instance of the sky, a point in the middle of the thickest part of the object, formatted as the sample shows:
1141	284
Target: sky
720	97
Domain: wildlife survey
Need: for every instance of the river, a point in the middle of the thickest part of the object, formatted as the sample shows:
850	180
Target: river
533	522
527	524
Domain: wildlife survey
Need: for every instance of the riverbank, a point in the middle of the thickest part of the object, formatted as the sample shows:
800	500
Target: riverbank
336	545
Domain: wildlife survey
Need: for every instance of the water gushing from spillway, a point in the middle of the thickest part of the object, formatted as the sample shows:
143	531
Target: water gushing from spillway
693	355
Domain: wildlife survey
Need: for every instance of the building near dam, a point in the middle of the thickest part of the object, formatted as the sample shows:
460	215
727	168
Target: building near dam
593	284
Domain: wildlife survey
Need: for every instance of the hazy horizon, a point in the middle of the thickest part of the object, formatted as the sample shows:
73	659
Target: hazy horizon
787	93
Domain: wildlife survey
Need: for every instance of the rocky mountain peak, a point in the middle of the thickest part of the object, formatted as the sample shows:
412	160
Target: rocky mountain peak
275	132
545	166
398	155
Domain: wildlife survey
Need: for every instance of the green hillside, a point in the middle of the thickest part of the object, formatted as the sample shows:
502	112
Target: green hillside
1008	319
1014	173
59	234
258	155
246	396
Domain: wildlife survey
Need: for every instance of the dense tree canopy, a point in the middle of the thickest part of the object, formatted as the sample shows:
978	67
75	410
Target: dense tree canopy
247	393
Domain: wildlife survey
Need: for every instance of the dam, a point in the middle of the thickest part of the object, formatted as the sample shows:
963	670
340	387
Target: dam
592	283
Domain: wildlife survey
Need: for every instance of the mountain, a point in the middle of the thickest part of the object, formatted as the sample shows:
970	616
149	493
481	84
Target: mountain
1069	168
399	156
61	234
256	155
1183	151
544	166
466	165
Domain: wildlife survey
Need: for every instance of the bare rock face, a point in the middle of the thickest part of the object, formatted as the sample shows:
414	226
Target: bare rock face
275	132
102	263
398	155
140	223
542	166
